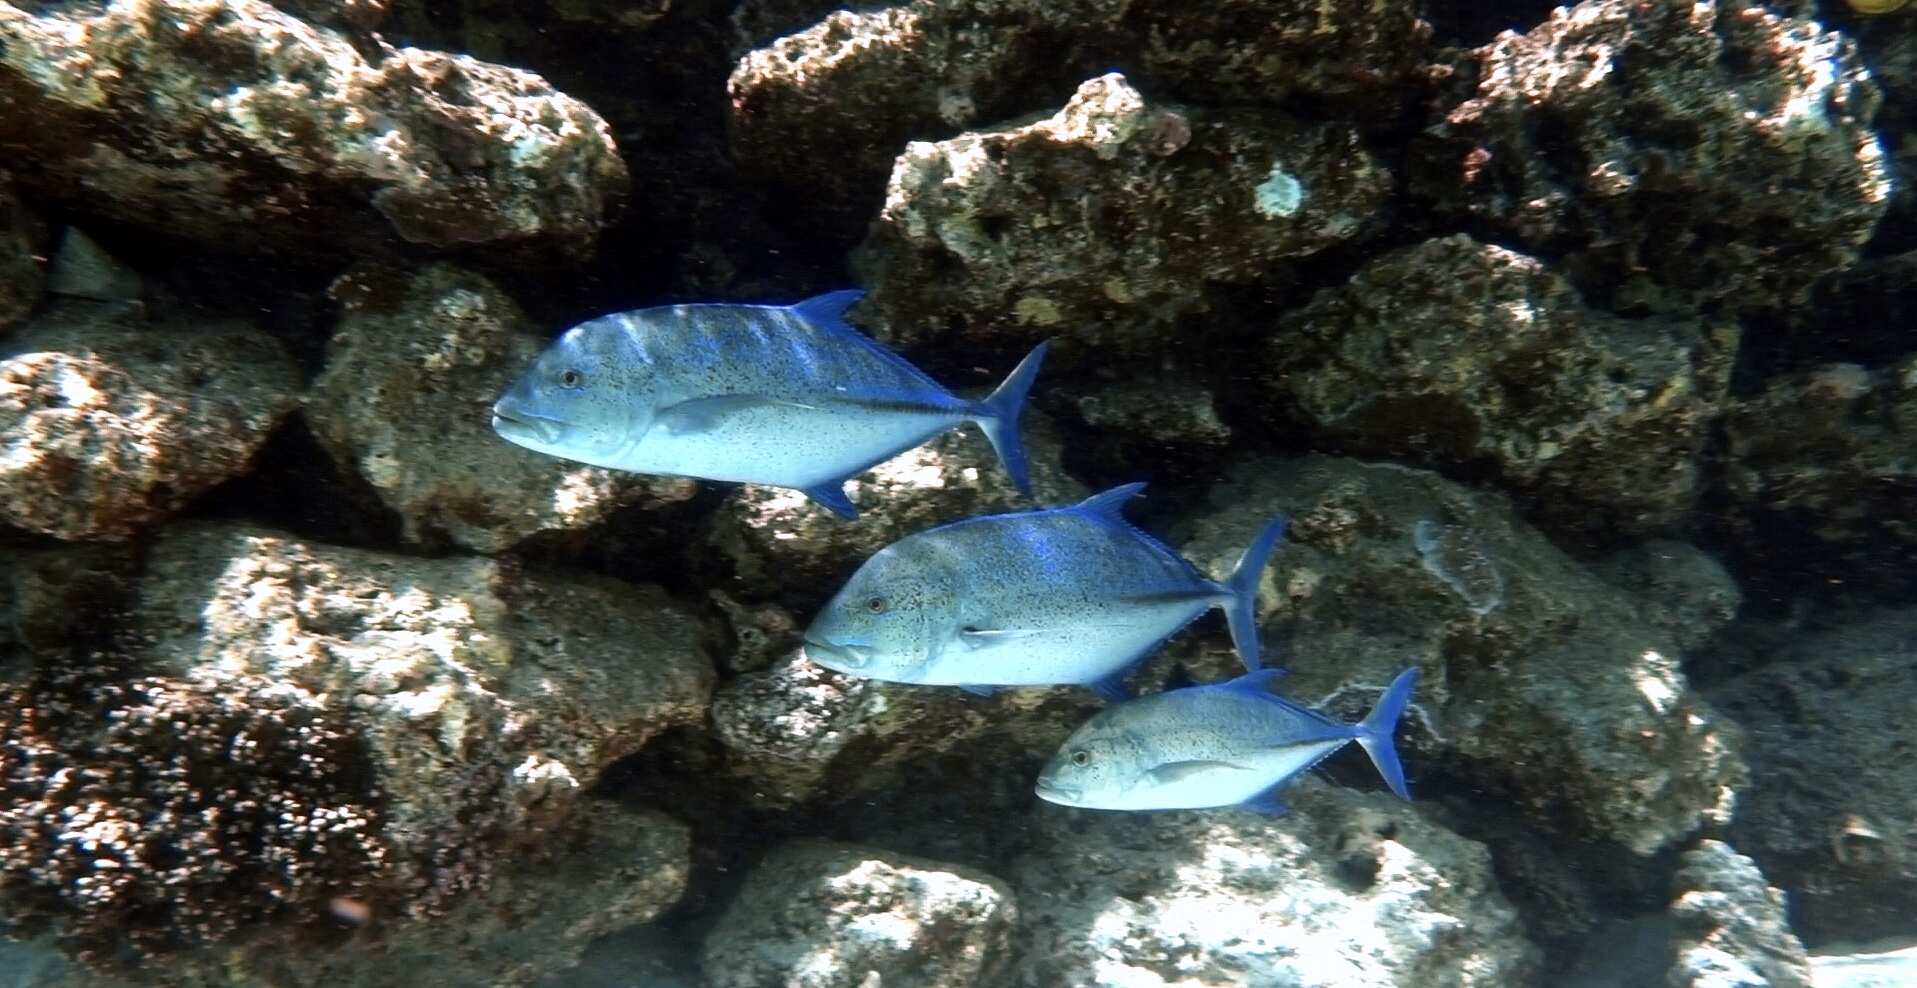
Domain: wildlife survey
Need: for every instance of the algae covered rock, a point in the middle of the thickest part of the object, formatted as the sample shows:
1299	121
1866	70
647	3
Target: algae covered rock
146	815
979	236
1832	451
405	401
231	122
474	682
1542	682
1831	814
1732	927
827	108
386	739
1351	889
818	914
109	424
23	243
1673	154
1600	420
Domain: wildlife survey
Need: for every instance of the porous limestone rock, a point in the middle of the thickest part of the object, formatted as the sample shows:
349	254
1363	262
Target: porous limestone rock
781	546
1600	420
50	598
231	122
1732	928
819	914
1542	682
487	698
798	734
1352	890
108	423
1831	813
23	244
828	107
406	397
1673	154
604	869
1830	452
1101	225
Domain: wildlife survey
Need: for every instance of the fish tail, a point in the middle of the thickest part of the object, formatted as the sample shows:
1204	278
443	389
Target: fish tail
1376	730
999	414
1241	611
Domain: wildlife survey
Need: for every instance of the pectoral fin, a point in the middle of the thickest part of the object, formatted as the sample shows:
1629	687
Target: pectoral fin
698	415
1171	772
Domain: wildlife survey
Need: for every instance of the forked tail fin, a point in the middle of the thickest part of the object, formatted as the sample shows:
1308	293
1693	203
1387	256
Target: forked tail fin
1241	611
1376	730
999	416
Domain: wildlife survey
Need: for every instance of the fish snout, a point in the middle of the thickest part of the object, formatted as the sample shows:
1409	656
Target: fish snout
517	425
840	656
1052	791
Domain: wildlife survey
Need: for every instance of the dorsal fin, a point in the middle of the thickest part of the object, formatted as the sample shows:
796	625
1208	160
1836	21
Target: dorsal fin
1110	504
829	309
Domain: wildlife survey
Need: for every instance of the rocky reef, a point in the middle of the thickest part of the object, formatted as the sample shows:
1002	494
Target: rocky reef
1573	345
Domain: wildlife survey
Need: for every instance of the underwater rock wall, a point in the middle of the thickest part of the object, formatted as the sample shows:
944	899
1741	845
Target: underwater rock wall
1538	340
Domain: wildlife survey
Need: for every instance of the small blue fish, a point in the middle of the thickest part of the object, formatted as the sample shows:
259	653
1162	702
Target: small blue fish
1067	595
1227	744
787	396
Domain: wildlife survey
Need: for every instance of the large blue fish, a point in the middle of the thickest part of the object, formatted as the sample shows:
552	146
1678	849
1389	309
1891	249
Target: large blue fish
1068	595
1228	744
787	396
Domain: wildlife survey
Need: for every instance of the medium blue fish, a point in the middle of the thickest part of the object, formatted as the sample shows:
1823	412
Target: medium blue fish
1067	595
787	396
1227	744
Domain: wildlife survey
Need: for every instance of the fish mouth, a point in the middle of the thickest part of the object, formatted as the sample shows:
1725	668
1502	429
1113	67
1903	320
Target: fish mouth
837	656
1052	792
518	426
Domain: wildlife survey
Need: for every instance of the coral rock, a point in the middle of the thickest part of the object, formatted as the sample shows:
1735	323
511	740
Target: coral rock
978	234
1831	449
1353	890
107	425
831	105
1672	153
1587	413
1831	814
23	243
826	915
488	699
1733	931
1555	691
149	814
229	121
405	400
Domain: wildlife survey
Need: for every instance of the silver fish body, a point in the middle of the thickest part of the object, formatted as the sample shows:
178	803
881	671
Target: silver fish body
787	396
1067	595
1227	744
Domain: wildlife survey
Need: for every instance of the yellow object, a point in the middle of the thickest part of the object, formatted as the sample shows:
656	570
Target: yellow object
1877	6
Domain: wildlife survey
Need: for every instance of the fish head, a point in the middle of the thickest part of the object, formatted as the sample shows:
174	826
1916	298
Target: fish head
588	397
1094	766
890	620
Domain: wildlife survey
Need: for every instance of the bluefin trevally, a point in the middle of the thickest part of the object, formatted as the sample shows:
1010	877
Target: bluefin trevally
1227	744
1066	595
787	396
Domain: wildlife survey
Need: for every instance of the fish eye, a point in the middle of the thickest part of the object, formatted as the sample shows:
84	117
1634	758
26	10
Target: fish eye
570	378
1081	757
876	605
